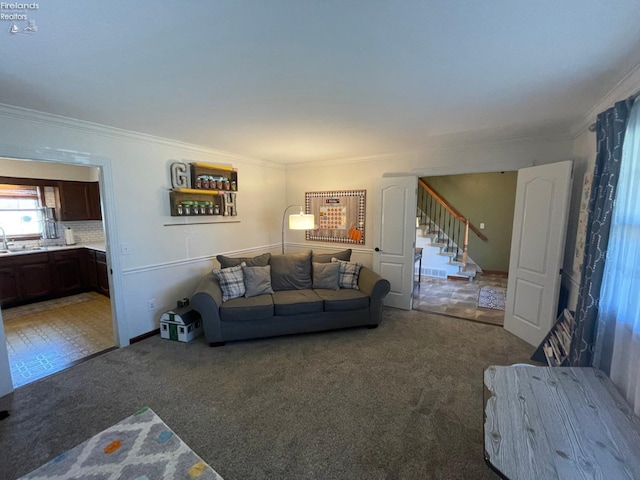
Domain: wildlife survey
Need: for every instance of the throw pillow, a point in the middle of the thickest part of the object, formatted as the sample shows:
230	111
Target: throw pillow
258	261
231	282
257	281
349	274
291	271
344	255
326	275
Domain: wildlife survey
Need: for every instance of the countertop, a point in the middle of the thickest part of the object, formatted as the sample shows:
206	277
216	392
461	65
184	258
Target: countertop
100	247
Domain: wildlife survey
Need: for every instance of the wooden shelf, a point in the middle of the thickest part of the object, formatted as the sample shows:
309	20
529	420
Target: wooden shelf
222	198
198	191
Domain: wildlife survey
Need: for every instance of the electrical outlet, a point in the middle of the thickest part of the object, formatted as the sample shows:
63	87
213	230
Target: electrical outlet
482	226
151	303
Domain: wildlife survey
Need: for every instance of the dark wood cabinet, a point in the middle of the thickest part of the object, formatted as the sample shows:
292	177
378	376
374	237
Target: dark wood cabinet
8	285
67	277
79	201
35	280
88	268
103	273
38	276
24	277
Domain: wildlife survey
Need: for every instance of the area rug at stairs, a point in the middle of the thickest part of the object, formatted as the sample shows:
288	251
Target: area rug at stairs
139	447
492	297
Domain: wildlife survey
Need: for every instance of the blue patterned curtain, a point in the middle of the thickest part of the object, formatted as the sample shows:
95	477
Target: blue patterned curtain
611	126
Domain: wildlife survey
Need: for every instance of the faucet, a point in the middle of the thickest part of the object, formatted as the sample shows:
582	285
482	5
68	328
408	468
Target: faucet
5	245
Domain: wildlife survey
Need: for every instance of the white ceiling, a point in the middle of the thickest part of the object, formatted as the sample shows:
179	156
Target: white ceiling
304	80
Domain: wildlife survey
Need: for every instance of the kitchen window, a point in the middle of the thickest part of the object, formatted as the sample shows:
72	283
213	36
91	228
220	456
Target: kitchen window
20	211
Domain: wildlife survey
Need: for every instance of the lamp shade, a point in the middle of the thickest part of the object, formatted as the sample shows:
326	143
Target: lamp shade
301	221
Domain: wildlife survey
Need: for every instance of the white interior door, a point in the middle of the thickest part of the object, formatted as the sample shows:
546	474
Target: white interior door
537	249
395	240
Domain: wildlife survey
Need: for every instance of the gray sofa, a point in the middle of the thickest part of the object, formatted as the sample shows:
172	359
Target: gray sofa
295	304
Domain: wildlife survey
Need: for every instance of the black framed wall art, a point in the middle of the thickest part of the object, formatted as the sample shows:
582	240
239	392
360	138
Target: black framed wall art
340	216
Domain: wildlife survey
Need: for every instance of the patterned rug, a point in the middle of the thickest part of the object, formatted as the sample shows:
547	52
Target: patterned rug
139	447
492	297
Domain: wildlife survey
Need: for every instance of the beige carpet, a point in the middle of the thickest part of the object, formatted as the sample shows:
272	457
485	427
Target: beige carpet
403	401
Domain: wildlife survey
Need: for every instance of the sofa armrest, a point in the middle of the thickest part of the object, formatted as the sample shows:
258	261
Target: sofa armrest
376	287
206	300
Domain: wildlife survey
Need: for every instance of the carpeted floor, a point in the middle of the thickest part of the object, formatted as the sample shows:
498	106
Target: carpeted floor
403	401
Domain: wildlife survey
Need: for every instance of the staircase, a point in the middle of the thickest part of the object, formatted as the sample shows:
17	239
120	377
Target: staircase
443	234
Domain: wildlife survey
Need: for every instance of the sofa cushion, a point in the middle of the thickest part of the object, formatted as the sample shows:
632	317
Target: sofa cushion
291	271
349	274
326	275
296	302
231	282
257	280
343	300
258	261
247	309
344	255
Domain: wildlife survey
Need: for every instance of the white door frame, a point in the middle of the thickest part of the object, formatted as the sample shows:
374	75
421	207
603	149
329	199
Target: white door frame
16	152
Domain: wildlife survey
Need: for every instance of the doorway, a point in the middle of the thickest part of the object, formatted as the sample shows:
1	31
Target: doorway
50	335
467	284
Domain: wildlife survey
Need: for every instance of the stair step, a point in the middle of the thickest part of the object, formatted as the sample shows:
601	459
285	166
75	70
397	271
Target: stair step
447	254
438	244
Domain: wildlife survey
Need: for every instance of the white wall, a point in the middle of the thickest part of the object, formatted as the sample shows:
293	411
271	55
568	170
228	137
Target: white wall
49	171
165	262
363	174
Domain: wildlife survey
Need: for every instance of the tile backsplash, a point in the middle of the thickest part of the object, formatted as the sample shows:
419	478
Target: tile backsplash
84	232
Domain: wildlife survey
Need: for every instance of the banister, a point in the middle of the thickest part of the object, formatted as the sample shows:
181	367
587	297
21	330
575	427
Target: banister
455	213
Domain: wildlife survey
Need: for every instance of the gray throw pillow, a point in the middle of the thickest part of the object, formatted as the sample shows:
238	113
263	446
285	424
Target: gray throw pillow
326	275
257	281
259	261
291	271
344	255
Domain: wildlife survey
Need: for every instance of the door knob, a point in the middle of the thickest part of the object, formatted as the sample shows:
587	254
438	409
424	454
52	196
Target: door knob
377	249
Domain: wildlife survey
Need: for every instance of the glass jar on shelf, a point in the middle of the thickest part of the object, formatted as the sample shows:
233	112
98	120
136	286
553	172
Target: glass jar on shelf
187	207
202	208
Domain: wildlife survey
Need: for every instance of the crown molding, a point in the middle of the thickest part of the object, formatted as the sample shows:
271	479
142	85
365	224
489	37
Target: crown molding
629	85
448	146
49	119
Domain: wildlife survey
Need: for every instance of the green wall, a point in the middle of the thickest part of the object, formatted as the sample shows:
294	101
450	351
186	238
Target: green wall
488	198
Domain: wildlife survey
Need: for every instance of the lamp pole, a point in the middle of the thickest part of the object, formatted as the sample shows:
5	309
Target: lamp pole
284	215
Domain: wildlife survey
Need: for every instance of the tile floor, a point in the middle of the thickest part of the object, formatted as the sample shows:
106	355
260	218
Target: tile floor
458	298
46	337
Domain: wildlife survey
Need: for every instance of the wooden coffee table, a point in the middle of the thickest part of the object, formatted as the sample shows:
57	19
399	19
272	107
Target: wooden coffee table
545	423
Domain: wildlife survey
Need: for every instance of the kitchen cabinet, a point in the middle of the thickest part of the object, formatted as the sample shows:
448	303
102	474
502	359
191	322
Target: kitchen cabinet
78	201
88	268
67	278
8	285
24	277
39	276
103	273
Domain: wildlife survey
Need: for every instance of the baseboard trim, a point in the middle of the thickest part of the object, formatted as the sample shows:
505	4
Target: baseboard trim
496	272
144	336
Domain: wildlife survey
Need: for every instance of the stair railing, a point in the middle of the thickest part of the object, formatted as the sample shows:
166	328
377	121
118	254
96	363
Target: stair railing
452	227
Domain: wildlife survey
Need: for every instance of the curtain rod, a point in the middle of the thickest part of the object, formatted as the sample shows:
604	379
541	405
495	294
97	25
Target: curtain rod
592	127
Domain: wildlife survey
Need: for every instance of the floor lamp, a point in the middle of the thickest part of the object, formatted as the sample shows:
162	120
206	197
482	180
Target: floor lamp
299	221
